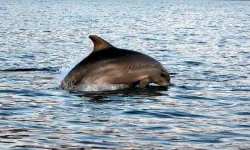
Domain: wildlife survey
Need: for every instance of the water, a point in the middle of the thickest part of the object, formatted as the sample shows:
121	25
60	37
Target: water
205	45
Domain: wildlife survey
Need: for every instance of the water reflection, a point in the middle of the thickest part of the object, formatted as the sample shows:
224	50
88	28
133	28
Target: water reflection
104	96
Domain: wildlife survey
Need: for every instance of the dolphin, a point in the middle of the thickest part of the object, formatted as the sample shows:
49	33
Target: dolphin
107	64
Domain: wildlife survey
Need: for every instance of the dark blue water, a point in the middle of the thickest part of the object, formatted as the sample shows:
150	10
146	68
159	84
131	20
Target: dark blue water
204	44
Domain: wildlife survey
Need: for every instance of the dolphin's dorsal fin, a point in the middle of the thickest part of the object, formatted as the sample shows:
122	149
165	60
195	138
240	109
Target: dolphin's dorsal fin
99	43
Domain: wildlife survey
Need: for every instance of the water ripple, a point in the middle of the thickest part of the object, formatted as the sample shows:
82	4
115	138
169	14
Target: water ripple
204	45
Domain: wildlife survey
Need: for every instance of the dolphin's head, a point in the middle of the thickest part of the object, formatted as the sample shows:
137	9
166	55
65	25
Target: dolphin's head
162	78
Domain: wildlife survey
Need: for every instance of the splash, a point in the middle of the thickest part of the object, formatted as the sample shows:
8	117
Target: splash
102	87
67	67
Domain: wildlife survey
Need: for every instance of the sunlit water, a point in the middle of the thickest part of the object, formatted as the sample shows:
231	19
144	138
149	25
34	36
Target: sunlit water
204	44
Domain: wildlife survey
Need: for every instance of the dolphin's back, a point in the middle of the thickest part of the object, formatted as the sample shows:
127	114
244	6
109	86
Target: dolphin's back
119	55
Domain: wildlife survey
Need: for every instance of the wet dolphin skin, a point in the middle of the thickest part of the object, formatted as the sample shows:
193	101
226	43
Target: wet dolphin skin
110	65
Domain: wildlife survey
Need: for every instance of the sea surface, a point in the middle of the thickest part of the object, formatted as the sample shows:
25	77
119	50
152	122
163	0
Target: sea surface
205	45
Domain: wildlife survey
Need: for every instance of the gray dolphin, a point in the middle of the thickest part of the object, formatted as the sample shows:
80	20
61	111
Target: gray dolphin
110	65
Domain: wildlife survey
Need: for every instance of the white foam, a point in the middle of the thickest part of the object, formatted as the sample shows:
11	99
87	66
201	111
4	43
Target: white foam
101	87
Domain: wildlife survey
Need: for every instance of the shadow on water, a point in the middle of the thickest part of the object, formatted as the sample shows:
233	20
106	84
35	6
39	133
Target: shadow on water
104	96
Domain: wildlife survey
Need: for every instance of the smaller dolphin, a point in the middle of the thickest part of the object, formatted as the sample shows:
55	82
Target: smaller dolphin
110	65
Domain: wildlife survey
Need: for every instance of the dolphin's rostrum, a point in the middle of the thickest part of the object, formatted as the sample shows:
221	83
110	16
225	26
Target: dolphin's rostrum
110	65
